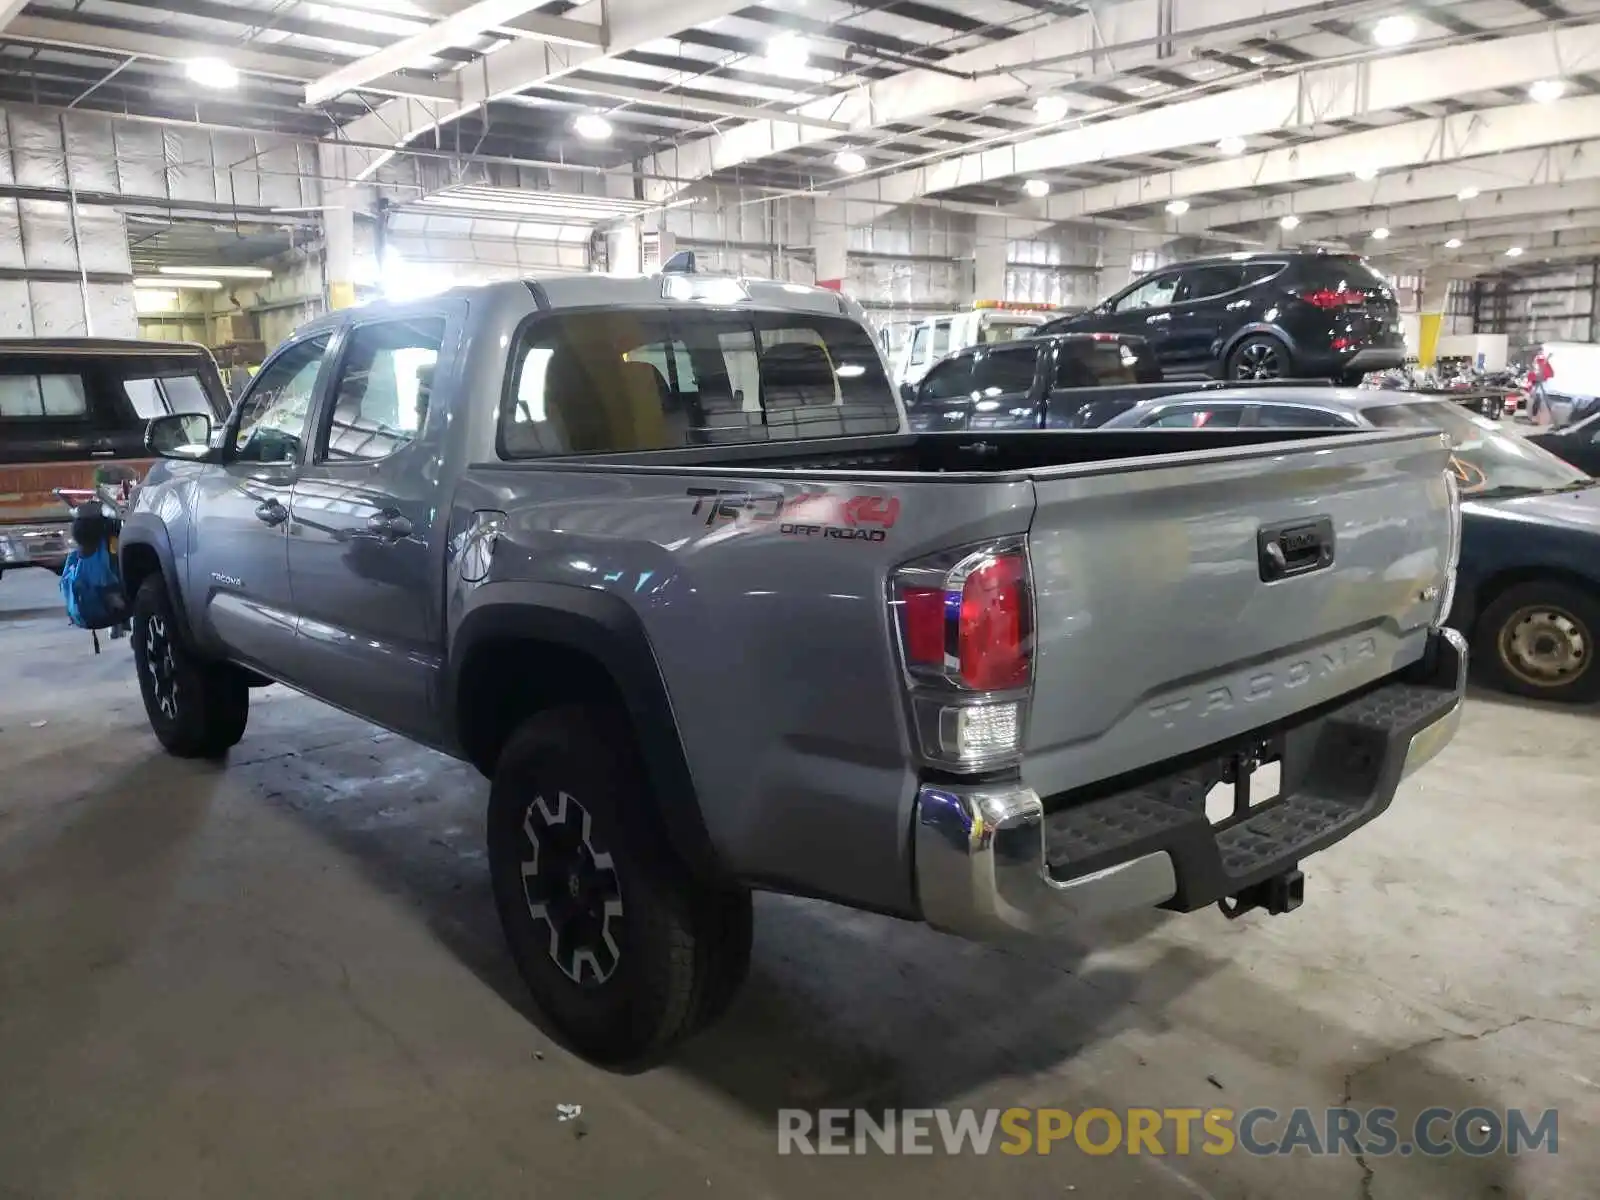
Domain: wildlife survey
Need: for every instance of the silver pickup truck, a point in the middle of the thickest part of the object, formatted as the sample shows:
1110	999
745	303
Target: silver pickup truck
658	556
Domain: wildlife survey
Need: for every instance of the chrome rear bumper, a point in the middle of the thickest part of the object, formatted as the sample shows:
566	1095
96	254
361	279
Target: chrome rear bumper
37	545
990	861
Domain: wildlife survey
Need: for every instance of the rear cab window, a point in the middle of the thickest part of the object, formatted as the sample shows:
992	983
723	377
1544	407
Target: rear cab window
620	380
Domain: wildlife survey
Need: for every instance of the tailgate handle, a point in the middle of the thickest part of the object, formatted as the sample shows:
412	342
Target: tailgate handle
1295	548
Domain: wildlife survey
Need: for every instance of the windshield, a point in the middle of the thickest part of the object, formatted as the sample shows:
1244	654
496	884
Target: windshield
1487	462
1006	329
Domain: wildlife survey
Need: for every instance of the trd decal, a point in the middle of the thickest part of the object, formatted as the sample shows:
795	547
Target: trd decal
812	514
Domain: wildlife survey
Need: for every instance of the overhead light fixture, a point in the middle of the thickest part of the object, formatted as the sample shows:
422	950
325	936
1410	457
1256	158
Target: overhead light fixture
788	51
1453	244
1037	188
592	126
1396	30
219	272
1231	145
1467	193
168	283
1366	174
1177	207
212	73
1051	108
1514	252
849	162
1289	221
1380	234
1547	91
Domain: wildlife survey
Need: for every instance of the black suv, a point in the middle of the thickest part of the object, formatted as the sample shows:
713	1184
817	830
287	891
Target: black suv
1062	381
1302	314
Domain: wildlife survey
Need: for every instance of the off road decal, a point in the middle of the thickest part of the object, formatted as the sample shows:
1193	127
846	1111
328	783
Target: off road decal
811	514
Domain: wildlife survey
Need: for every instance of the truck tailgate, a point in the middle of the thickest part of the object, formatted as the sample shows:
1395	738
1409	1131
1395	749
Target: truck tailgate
1167	623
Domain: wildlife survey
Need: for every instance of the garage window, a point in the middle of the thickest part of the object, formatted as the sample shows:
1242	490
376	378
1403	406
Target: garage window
42	397
623	380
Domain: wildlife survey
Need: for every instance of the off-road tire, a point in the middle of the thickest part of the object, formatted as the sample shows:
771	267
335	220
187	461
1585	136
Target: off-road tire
681	945
197	708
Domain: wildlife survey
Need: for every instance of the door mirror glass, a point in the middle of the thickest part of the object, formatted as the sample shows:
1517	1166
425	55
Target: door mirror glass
179	435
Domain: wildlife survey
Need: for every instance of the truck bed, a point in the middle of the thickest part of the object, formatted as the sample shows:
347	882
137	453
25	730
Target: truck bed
981	455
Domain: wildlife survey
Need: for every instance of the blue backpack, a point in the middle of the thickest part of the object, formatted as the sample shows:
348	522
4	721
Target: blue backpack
92	589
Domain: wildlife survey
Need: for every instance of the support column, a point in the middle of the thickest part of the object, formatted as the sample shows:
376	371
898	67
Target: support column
624	249
339	246
1435	295
989	259
830	242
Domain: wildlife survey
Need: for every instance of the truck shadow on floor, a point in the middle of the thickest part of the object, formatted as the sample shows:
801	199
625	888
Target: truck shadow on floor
846	1009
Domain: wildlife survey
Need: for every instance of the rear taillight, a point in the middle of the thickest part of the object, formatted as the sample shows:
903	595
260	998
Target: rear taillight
1447	590
965	625
1334	298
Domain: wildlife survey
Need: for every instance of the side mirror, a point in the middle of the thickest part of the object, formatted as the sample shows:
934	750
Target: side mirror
179	435
908	395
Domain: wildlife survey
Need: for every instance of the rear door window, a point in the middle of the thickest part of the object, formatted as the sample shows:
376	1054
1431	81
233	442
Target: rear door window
1259	272
1006	371
42	397
1197	416
1290	416
1086	364
623	380
1198	283
941	338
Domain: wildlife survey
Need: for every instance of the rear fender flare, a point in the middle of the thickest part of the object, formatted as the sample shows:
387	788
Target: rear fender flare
603	628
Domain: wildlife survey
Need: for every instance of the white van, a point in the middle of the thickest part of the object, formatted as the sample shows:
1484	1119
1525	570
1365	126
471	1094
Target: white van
989	321
1574	379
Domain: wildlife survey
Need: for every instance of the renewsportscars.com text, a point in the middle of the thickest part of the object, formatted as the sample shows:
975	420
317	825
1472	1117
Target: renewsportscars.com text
1372	1132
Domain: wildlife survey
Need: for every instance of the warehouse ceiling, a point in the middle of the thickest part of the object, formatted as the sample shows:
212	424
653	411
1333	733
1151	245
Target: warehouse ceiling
1424	133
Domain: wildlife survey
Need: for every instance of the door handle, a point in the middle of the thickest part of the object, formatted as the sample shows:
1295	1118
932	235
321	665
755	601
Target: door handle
389	525
270	512
1158	318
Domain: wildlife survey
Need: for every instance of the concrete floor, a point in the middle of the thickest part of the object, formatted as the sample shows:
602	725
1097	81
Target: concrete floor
284	978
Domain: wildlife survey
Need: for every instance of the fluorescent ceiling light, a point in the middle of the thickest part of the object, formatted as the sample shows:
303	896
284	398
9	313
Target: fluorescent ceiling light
199	285
1547	91
787	50
219	272
1380	234
1366	174
1396	30
1453	244
1467	193
592	126
1051	108
849	162
1037	188
1231	145
212	73
1514	252
1177	207
1288	222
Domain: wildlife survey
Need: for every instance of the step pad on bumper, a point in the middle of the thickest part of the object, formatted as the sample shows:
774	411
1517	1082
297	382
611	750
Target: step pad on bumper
1339	770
